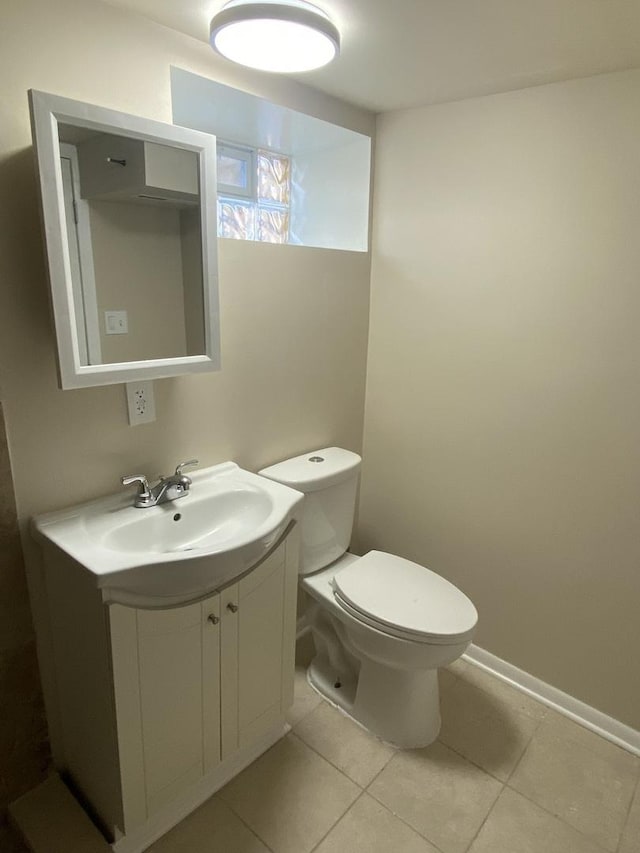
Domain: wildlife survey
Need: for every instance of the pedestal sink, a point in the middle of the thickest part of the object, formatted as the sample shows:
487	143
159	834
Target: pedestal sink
177	551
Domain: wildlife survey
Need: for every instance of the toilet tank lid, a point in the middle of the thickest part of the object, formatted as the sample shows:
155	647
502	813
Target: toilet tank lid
315	470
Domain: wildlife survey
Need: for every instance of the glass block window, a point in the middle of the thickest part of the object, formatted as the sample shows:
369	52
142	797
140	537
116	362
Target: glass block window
272	225
254	194
236	219
273	178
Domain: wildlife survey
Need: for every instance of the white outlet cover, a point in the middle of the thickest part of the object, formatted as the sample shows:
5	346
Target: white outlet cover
116	323
142	407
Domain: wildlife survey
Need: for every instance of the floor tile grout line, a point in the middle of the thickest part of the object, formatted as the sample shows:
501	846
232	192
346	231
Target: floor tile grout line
315	751
333	825
402	820
486	818
382	769
461	681
548	711
501	782
561	819
470	761
324	758
242	820
464	758
335	766
251	830
475	763
526	749
539	722
255	835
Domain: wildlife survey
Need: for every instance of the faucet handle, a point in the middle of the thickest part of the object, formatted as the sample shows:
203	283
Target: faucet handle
143	488
190	464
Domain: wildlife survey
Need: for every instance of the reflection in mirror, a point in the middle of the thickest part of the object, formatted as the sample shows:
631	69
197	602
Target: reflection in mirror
132	254
132	211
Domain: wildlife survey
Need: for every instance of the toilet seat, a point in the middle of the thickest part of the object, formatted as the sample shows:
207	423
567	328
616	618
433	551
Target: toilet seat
403	599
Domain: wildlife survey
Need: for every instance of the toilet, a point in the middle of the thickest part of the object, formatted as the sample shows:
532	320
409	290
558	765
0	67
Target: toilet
382	625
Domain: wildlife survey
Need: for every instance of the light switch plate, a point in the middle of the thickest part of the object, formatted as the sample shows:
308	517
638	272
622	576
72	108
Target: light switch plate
142	407
116	323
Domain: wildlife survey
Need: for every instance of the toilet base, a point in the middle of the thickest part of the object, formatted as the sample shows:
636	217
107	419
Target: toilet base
401	707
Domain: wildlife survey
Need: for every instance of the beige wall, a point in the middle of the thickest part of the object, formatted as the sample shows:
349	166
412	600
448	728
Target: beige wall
294	320
290	316
137	257
191	240
502	438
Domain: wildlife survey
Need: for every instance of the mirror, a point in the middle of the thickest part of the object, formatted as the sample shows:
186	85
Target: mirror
129	220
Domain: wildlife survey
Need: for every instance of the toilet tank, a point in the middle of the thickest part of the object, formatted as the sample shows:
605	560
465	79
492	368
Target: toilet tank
329	480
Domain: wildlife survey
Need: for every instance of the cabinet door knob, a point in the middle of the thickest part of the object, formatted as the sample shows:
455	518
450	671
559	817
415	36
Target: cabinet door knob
213	619
232	608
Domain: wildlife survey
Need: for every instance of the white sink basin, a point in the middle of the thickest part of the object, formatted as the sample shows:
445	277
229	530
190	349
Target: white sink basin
178	550
210	521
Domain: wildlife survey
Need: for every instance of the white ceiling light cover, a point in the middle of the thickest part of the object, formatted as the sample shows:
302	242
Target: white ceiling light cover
290	36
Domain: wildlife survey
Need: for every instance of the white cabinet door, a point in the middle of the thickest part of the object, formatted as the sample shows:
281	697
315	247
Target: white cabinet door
167	688
194	684
258	636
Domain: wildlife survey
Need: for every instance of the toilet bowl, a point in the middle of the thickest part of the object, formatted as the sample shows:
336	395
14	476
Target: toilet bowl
382	625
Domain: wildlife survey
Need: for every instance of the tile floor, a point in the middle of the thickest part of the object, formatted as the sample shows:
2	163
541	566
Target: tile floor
506	776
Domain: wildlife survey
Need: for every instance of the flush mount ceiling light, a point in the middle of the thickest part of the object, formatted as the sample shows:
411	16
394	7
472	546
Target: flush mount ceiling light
287	36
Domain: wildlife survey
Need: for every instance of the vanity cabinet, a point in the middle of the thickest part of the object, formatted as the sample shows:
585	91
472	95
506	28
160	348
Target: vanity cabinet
162	706
195	684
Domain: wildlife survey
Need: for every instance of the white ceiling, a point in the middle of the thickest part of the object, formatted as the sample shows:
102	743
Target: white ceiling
400	53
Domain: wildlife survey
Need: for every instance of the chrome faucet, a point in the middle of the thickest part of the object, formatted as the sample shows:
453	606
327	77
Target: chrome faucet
167	489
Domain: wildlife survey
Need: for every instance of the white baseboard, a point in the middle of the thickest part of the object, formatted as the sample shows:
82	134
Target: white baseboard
607	727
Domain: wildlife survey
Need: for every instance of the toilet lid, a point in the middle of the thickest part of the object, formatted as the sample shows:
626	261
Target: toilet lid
402	595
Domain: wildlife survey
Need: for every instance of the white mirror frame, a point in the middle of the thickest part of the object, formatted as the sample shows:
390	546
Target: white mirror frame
47	111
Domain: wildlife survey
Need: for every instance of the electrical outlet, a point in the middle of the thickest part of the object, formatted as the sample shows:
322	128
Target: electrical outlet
116	323
142	407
